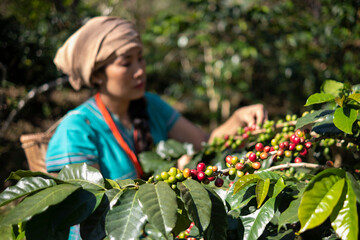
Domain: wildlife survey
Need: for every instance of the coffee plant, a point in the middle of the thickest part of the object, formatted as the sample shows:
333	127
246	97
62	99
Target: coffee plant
294	178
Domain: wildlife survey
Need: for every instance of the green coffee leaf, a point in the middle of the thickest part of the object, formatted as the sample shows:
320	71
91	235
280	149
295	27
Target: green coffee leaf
313	117
355	97
278	187
344	118
23	187
261	190
125	220
197	202
332	87
217	229
38	203
320	198
255	223
355	185
290	215
317	98
344	218
84	175
159	204
244	181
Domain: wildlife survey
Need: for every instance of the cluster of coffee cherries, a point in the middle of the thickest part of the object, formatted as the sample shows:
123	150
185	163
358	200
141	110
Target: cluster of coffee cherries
201	174
298	147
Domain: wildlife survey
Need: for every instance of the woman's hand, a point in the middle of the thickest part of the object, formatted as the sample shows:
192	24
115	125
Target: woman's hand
246	116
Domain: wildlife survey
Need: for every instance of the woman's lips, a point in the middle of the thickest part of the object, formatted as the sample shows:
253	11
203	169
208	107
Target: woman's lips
140	85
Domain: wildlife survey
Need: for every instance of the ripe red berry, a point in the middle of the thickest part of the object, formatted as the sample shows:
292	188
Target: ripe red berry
308	145
329	163
201	167
211	178
201	176
259	147
292	146
296	140
266	149
286	144
281	145
252	157
303	152
228	159
239	166
245	136
219	182
297	160
280	152
193	173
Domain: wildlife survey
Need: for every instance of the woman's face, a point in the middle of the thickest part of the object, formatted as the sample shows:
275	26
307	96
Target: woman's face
126	76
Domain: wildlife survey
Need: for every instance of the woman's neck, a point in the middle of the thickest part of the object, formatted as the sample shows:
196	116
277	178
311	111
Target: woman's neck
119	108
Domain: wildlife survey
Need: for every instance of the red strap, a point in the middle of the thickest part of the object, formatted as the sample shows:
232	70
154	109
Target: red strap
110	122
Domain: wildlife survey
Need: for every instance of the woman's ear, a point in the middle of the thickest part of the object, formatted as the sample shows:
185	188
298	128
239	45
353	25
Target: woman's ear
98	78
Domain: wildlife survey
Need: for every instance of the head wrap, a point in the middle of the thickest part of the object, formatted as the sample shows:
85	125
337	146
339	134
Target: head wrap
93	46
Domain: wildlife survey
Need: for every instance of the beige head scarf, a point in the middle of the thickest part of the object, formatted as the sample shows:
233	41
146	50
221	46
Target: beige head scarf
94	45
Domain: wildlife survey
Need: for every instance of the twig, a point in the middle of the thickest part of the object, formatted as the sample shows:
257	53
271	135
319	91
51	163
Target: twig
295	165
30	95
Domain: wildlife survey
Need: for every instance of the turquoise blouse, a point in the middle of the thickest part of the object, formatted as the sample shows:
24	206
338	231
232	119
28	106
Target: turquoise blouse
84	137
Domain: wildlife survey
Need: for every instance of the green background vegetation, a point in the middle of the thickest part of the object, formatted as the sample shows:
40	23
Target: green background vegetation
205	57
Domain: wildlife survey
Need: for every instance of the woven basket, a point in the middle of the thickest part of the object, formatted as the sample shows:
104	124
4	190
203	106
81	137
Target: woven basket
35	147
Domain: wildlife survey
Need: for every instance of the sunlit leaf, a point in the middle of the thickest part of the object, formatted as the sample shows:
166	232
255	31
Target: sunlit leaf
320	198
355	185
344	119
244	181
332	87
319	98
261	191
355	97
310	118
23	187
82	174
344	218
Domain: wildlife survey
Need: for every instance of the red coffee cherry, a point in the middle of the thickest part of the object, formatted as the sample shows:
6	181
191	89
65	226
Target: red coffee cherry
239	166
297	160
201	167
252	157
308	145
259	147
264	155
201	176
266	149
303	152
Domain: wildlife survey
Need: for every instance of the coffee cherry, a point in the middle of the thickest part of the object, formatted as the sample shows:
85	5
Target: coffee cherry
228	159
308	145
259	147
297	160
158	177
299	147
288	153
256	165
234	160
164	175
186	173
214	168
299	133
201	167
292	146
211	178
232	171
329	163
239	166
219	182
239	173
206	181
266	149
303	152
193	173
172	179
280	152
281	145
173	171
252	157
264	155
231	183
201	176
180	176
209	172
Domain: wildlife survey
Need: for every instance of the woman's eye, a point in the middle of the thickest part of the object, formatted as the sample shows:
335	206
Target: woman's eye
126	64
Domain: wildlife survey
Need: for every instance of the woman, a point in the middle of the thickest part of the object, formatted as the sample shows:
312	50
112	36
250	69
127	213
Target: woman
122	119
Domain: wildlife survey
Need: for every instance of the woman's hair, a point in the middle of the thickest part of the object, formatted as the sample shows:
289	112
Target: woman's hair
140	120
